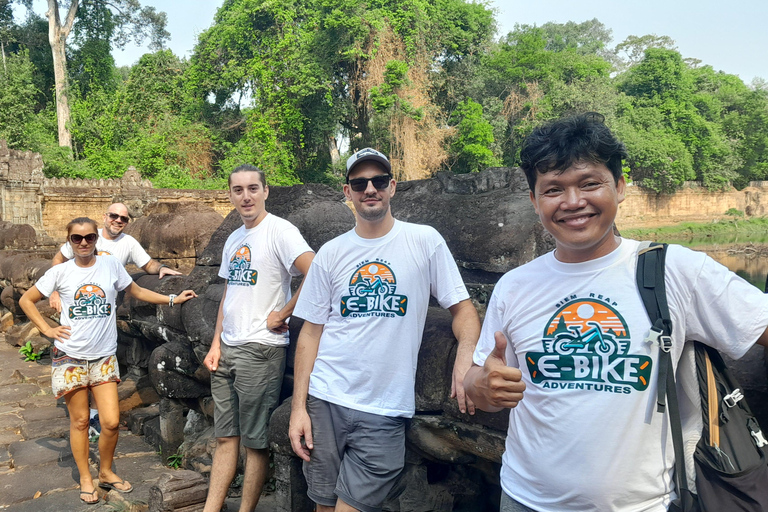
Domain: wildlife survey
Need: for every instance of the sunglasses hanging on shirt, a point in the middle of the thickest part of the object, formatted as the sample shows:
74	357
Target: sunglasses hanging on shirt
379	182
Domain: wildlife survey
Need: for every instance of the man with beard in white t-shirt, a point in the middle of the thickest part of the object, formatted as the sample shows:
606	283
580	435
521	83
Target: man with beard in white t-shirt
364	304
568	329
248	351
114	242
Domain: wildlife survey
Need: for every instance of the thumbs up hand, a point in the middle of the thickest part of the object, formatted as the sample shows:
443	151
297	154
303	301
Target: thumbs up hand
496	385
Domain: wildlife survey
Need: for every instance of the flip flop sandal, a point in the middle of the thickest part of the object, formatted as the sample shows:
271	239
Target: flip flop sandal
111	486
89	494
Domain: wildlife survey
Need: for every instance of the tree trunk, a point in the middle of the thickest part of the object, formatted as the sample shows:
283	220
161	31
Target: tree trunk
57	37
334	150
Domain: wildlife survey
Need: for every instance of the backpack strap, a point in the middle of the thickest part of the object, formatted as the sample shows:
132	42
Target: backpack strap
650	283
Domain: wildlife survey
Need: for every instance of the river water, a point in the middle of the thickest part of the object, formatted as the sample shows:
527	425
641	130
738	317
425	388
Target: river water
747	255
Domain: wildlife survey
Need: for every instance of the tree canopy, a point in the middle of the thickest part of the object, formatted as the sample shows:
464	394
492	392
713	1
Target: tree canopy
295	86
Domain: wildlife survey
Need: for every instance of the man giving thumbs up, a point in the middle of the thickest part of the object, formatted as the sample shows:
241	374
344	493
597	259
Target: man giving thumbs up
495	386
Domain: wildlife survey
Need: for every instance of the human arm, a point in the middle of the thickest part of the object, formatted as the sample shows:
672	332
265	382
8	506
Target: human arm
494	386
59	259
763	339
211	360
27	303
466	329
145	295
155	267
54	300
306	353
276	320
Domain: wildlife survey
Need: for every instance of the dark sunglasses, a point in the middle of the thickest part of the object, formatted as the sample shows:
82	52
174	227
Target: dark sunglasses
114	216
360	184
89	238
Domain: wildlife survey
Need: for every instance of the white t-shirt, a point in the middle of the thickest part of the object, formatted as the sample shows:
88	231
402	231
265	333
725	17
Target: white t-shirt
372	295
258	264
87	304
586	436
125	248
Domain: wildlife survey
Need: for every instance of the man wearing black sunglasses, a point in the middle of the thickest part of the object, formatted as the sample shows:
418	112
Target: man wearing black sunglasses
114	242
364	303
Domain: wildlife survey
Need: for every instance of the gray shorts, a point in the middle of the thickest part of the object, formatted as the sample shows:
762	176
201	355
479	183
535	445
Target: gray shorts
357	456
246	388
510	505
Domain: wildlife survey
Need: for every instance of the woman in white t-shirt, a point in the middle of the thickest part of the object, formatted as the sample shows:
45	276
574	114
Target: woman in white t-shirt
85	345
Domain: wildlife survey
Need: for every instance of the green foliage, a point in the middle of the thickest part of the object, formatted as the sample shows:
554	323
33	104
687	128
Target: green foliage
657	159
91	64
634	47
386	97
278	84
471	147
175	460
16	88
29	353
733	212
675	105
752	227
588	38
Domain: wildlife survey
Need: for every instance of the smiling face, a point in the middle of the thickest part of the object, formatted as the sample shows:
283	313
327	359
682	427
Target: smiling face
115	220
84	249
578	207
249	195
371	205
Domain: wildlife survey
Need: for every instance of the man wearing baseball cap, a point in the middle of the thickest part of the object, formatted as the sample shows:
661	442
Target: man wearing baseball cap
364	303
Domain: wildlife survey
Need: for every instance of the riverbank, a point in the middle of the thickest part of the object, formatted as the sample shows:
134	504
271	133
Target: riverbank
727	231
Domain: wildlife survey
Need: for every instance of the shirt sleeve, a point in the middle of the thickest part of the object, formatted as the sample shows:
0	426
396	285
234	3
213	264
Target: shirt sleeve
445	280
291	245
123	280
66	251
224	267
494	321
314	302
139	256
725	311
47	284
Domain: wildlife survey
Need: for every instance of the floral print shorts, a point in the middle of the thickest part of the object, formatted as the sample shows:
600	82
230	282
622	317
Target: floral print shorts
70	373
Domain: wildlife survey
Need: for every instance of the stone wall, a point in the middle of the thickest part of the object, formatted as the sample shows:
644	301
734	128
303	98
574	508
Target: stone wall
21	176
644	208
27	197
60	200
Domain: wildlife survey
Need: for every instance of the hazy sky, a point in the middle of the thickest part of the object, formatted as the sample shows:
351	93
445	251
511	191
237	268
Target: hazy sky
729	36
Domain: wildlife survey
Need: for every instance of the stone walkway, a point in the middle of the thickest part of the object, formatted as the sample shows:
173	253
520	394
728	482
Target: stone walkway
37	471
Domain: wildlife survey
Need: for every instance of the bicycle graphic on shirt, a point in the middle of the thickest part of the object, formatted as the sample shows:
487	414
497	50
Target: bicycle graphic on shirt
567	343
375	286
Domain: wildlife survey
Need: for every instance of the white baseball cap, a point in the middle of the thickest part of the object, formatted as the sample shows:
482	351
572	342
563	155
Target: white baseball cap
368	154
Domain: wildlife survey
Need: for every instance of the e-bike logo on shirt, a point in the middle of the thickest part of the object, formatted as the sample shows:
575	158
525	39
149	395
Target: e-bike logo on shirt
586	345
90	302
372	292
240	271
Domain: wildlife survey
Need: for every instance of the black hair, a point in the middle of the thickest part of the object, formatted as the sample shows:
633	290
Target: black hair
558	145
248	168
